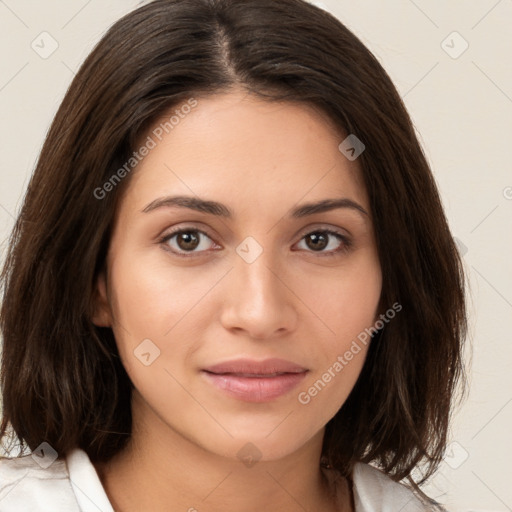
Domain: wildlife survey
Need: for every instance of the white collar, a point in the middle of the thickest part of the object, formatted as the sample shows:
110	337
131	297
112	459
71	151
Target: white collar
86	484
374	491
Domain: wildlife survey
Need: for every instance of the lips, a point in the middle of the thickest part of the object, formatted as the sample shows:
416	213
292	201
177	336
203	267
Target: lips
252	368
255	381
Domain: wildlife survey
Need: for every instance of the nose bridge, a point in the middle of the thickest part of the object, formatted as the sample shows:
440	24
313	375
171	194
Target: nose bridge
257	301
259	275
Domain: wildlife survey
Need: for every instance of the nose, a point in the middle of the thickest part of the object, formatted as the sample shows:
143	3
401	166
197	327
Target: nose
259	299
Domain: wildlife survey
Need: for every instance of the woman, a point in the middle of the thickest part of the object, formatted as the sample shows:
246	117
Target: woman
231	285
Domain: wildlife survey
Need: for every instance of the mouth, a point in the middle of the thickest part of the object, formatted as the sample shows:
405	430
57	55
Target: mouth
253	381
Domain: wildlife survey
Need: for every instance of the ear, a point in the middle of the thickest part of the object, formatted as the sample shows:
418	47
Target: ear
101	314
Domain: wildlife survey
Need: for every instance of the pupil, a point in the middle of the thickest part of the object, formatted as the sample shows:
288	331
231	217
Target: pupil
189	238
315	237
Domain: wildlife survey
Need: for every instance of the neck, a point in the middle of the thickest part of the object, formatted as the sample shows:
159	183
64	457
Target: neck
160	469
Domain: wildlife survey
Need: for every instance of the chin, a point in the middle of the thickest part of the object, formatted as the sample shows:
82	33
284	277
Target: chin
260	447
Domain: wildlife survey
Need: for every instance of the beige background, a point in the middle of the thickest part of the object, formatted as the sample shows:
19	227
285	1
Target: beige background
461	104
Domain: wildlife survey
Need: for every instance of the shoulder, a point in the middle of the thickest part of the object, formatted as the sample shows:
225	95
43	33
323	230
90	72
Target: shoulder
27	484
374	491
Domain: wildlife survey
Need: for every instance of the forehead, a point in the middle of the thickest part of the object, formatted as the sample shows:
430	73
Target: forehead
242	149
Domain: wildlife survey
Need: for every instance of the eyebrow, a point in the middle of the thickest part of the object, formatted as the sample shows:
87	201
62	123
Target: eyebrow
221	210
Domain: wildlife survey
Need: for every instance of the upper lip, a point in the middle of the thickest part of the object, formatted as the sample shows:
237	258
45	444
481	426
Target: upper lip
272	366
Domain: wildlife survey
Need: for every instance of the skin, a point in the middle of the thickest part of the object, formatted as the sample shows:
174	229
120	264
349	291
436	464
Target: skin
261	160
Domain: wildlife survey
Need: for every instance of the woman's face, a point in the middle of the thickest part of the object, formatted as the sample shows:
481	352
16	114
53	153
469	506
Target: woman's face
246	279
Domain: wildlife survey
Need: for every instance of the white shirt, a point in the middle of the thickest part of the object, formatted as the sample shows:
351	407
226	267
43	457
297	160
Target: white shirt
73	485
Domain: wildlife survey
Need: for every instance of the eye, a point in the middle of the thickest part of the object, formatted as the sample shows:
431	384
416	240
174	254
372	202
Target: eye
188	242
185	241
329	239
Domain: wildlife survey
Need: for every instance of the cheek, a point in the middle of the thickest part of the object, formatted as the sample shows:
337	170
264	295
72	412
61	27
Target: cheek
165	304
346	299
322	396
348	305
152	298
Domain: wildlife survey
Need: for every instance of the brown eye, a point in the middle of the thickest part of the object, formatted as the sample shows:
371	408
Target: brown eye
192	241
187	240
318	241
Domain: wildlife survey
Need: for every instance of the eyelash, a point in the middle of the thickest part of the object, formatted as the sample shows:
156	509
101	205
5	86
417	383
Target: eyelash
344	248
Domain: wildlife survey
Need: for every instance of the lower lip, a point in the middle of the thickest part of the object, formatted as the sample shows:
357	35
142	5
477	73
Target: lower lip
255	389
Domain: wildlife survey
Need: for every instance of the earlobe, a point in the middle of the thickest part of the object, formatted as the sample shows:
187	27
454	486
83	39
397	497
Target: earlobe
101	315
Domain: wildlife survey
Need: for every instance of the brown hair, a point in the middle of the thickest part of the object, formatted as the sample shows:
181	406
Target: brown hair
62	379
